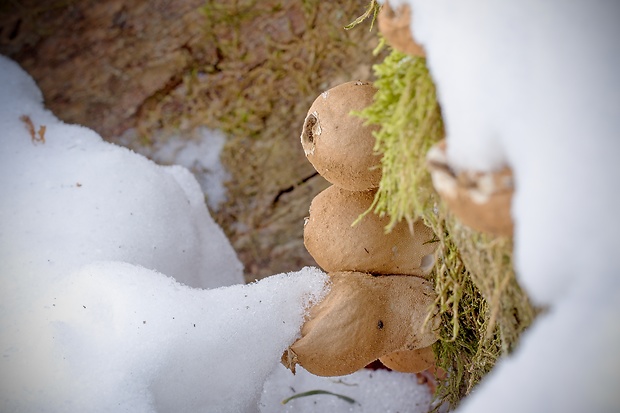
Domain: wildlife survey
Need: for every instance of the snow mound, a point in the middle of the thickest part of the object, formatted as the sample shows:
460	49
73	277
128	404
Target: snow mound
88	320
75	192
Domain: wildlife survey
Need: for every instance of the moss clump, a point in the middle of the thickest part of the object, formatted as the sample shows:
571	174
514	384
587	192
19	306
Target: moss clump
482	308
407	110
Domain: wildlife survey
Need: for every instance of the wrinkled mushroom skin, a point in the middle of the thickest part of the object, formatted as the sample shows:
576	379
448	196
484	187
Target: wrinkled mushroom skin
337	246
363	318
481	201
410	361
394	26
337	143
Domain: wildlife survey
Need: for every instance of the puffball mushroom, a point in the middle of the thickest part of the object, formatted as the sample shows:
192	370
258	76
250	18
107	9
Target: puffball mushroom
337	143
337	246
394	26
409	361
362	318
480	200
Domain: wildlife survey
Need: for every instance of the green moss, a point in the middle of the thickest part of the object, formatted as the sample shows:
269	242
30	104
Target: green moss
483	310
410	118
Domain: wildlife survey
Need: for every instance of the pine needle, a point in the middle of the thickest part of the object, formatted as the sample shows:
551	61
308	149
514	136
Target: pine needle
314	392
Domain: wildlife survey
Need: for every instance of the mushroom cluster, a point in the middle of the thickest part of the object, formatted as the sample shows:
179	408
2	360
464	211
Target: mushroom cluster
379	301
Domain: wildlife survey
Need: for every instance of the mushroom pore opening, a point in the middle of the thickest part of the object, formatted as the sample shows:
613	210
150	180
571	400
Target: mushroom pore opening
309	132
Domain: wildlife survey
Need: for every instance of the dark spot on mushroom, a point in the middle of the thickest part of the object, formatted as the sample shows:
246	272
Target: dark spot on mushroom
380	325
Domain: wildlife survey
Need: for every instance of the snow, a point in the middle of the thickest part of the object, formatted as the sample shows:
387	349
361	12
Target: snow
200	153
77	193
534	85
114	336
119	293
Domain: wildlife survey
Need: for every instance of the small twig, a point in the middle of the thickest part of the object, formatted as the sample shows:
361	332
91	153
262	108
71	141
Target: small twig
41	133
30	127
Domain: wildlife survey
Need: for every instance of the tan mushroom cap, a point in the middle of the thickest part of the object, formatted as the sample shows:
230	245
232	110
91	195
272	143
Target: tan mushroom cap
394	25
410	361
337	246
363	318
337	143
480	200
